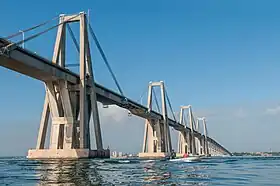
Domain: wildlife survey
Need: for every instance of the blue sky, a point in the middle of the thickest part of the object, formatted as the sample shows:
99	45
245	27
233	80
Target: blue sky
220	56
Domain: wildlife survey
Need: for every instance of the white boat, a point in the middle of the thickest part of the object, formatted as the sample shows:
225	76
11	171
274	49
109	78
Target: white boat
188	159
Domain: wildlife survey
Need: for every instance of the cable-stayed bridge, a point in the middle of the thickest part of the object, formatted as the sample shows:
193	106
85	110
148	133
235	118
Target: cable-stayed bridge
71	100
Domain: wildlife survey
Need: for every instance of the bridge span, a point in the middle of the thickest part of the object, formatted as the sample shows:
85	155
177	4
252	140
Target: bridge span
66	85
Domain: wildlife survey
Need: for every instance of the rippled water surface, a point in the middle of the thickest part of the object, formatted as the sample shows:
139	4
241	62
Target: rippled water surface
212	171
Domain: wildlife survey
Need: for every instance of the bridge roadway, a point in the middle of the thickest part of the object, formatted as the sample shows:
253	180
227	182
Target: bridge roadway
35	66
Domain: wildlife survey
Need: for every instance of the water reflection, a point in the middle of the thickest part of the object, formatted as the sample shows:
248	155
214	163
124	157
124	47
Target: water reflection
180	173
20	171
68	172
156	173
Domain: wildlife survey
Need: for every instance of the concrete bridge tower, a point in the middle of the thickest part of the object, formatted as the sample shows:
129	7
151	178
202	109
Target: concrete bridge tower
70	106
203	140
186	140
157	141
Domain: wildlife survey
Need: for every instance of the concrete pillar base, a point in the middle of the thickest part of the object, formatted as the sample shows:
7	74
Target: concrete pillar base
153	155
67	153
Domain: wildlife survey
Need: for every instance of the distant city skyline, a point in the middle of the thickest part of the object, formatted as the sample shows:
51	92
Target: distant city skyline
222	57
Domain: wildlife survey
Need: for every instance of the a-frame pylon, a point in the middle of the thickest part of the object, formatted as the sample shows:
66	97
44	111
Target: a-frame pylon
157	140
186	139
70	106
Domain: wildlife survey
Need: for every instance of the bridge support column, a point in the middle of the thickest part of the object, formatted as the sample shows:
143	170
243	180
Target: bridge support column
184	136
204	146
70	105
205	143
157	141
183	143
192	144
188	140
199	140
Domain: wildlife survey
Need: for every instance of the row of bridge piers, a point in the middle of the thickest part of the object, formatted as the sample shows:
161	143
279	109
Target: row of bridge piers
157	140
70	138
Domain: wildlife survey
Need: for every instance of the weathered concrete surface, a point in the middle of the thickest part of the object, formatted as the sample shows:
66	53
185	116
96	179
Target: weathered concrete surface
153	155
67	153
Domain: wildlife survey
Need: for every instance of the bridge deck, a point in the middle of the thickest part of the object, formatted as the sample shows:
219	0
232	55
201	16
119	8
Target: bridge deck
35	66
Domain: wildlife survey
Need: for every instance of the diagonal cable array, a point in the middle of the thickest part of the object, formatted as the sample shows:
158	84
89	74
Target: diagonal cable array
170	106
156	100
32	28
10	46
193	122
104	58
75	43
186	123
73	38
143	93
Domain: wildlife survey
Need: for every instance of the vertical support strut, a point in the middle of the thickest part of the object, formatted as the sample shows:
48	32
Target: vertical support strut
148	125
43	125
192	143
167	139
93	99
83	106
70	107
206	148
182	138
198	139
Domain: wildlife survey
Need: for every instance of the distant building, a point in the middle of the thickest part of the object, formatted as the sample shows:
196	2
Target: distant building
115	154
120	154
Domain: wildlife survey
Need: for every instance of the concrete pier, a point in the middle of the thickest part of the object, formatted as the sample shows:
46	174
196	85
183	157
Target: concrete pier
186	140
67	153
70	106
157	141
153	155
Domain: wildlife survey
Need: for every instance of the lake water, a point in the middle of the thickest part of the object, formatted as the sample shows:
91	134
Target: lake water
214	171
